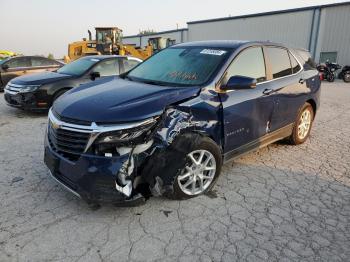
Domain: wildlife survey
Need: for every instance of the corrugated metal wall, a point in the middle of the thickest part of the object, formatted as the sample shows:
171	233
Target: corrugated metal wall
134	40
334	33
290	28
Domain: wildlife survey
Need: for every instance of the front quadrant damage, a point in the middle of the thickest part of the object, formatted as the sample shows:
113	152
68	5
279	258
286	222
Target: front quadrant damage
151	167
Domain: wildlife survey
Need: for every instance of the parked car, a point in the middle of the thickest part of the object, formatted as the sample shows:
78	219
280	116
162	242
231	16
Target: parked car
22	65
167	126
39	91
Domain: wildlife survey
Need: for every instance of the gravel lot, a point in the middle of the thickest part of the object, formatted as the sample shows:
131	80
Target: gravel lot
281	203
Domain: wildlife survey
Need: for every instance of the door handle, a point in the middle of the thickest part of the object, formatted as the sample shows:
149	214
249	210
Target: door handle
301	81
268	91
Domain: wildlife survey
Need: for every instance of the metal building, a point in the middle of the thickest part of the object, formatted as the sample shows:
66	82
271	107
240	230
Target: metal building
324	30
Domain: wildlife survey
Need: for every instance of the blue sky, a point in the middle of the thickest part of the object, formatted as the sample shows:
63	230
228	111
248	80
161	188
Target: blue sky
47	26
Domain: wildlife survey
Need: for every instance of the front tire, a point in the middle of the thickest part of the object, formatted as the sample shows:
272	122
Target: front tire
302	125
331	77
201	170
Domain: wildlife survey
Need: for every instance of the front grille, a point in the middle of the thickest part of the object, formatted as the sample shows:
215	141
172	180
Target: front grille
67	143
71	120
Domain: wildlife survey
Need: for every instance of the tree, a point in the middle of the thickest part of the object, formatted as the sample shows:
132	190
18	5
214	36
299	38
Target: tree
50	56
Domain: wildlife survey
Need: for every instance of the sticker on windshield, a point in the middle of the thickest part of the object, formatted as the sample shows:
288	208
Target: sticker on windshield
212	52
94	60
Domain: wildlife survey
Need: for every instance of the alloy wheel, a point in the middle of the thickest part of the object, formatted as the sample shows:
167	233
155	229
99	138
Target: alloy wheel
198	173
304	124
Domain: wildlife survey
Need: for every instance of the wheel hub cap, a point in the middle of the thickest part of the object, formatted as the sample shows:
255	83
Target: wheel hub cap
304	124
198	173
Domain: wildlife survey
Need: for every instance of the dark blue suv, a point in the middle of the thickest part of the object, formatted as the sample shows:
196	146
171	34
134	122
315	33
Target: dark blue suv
167	126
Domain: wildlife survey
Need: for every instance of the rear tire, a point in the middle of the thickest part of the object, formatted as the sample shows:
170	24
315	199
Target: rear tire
346	77
302	125
202	168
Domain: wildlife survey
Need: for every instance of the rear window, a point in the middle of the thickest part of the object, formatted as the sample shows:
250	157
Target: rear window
305	58
280	63
295	65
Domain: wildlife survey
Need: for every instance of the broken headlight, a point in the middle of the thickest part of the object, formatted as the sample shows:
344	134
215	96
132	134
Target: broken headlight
135	134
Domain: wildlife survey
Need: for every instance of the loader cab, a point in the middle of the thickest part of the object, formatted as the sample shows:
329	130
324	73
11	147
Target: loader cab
107	40
159	43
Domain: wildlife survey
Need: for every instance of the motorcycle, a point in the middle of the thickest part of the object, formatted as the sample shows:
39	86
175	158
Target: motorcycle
328	70
345	74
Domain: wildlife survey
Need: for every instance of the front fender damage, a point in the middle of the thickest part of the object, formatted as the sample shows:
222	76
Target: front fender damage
150	168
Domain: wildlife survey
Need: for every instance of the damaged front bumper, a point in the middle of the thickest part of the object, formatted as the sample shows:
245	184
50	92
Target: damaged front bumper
92	178
28	101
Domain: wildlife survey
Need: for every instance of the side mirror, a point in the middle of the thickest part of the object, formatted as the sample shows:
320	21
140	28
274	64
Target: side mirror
5	67
95	75
239	82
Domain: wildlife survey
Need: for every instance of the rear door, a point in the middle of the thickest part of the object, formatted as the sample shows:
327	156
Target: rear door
16	67
246	113
287	86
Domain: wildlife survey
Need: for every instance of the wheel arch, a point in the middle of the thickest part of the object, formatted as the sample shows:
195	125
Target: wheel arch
60	90
313	104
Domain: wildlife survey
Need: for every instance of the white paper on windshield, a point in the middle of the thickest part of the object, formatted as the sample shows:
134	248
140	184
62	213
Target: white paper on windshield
94	60
212	52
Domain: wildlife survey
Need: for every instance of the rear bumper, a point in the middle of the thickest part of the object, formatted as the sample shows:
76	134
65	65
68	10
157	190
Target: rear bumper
91	178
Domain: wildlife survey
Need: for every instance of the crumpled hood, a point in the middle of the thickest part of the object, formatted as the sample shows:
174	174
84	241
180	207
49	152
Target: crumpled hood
119	101
40	78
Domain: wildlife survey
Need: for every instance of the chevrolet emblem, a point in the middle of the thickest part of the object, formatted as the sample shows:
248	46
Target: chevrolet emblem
54	125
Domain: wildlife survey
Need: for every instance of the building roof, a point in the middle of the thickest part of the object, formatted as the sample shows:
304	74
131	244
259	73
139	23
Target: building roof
226	43
269	13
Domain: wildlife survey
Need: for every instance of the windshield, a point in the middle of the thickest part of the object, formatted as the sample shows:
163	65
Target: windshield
185	66
78	67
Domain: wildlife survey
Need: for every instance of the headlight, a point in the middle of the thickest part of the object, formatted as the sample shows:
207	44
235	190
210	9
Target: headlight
126	135
29	88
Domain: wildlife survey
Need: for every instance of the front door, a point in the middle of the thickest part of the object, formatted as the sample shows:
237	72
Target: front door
246	113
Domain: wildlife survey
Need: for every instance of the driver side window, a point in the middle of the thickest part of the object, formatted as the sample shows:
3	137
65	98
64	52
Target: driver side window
249	63
107	68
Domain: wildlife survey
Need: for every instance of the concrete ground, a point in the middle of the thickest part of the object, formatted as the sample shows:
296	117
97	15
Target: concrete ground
281	203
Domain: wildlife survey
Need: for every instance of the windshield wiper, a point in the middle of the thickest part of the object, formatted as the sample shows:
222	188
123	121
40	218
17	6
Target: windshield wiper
153	82
127	77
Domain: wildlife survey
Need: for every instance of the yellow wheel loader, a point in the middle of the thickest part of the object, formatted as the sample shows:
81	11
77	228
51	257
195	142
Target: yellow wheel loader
109	41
